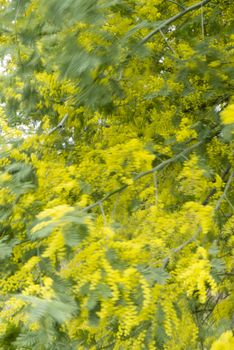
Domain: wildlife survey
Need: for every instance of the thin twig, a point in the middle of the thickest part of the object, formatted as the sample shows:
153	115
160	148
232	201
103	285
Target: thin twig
158	167
155	188
211	310
167	43
229	202
176	3
179	248
228	184
214	190
190	240
59	126
103	214
170	160
202	23
115	206
16	33
173	19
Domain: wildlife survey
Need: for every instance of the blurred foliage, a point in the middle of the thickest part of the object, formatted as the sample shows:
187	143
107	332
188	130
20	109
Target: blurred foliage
116	174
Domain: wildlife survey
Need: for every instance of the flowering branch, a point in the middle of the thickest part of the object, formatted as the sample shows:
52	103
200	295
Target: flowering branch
145	173
173	19
190	240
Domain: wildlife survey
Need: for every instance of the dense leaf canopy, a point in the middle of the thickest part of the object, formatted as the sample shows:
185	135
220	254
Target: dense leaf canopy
116	169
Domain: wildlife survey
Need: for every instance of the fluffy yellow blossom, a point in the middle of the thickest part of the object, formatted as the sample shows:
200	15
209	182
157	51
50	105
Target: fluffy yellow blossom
225	342
196	277
227	115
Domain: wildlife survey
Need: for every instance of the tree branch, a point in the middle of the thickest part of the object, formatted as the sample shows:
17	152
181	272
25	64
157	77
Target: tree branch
173	19
190	240
169	161
167	43
214	190
205	202
145	173
60	125
228	184
176	3
179	248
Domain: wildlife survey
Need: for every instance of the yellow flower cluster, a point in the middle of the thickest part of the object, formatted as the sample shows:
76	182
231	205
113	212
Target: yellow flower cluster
227	115
225	342
185	132
196	278
192	179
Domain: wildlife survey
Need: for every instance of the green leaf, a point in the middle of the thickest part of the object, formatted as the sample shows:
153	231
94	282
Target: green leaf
44	232
227	132
74	233
154	274
5	250
55	309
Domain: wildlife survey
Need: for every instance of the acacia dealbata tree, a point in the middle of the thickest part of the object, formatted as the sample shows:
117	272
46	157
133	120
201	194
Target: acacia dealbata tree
116	169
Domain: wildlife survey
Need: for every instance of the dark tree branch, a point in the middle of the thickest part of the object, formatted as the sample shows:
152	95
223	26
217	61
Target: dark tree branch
179	248
145	173
59	126
173	19
206	201
214	190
